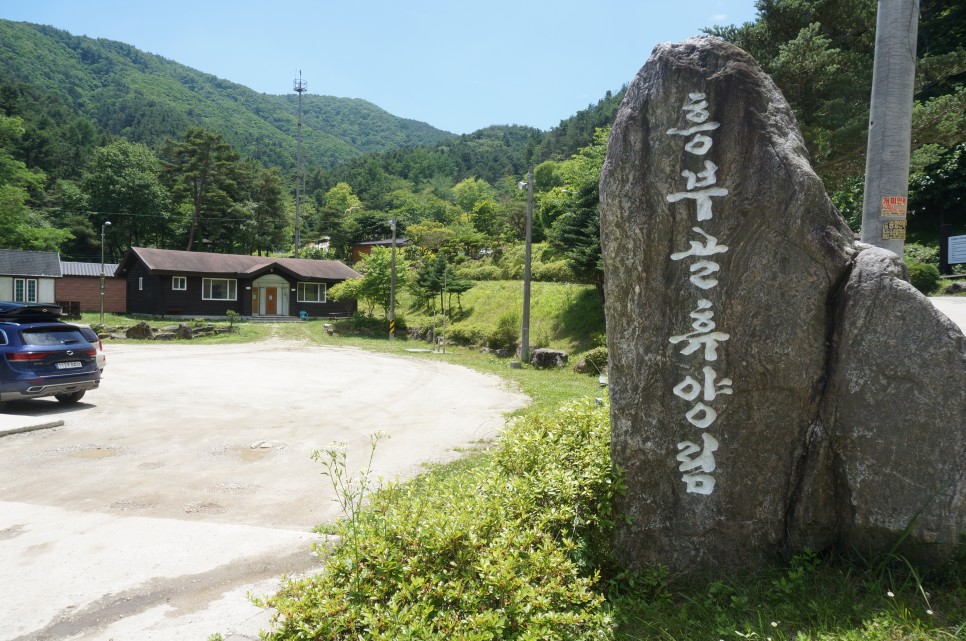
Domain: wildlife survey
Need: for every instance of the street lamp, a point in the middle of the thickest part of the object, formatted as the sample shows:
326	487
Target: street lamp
103	225
392	284
525	333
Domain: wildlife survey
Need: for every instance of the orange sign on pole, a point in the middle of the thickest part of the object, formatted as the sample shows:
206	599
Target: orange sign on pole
894	205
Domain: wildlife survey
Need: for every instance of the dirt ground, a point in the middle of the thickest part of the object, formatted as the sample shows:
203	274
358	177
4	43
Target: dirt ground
186	480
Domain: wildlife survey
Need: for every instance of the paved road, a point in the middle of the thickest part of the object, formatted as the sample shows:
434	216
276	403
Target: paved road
186	480
952	306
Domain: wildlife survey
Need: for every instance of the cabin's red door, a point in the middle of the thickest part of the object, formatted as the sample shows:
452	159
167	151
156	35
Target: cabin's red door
271	302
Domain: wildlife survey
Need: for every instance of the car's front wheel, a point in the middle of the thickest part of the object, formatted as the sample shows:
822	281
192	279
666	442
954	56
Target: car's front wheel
71	398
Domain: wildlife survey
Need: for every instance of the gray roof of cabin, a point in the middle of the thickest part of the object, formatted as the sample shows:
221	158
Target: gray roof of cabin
27	263
402	240
86	269
171	261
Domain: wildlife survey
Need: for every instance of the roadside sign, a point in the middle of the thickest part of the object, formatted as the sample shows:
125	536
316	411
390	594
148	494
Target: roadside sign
957	249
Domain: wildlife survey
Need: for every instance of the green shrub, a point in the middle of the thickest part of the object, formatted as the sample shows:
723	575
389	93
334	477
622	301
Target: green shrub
364	325
923	277
481	272
459	335
597	357
557	271
502	550
916	253
506	332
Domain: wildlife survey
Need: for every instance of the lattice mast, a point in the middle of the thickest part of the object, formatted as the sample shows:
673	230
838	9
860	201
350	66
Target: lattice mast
300	87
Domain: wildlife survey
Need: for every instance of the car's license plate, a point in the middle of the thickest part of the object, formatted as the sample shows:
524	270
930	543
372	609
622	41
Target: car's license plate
69	365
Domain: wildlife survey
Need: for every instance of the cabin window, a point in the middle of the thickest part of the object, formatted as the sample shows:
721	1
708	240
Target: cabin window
311	292
179	283
25	290
218	289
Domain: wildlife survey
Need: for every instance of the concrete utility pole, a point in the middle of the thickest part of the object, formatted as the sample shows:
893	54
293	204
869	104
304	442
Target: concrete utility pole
525	333
103	226
890	125
392	284
300	88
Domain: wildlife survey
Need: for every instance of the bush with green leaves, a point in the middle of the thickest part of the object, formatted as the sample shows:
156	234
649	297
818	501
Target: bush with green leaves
505	549
481	272
557	271
917	253
924	277
506	333
459	335
597	358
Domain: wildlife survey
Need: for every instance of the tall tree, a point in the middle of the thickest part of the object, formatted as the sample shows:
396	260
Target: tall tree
204	174
820	53
470	191
576	233
332	217
376	270
122	183
67	206
21	226
267	225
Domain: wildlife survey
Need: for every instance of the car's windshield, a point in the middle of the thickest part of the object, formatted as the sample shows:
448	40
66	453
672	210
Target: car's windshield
51	336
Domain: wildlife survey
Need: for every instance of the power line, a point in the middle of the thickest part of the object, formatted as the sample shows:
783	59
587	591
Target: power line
161	216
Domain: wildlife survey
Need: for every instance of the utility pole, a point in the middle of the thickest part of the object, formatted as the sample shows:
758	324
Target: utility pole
392	284
890	125
525	333
103	226
300	88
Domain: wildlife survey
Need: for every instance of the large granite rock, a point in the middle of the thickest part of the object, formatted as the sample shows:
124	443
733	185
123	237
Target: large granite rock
893	421
727	295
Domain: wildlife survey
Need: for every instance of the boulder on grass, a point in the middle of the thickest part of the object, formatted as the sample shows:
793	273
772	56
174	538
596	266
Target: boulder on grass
141	331
546	358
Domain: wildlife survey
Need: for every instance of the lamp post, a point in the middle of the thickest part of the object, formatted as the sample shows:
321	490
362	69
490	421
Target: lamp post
525	333
103	225
392	284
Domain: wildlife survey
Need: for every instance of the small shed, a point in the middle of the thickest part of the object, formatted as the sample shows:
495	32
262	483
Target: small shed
81	284
29	276
365	248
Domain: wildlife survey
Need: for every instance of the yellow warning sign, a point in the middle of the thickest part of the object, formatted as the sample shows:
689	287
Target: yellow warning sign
894	206
894	230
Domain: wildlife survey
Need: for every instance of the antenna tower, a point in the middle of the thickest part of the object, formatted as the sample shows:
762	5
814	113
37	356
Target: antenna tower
300	88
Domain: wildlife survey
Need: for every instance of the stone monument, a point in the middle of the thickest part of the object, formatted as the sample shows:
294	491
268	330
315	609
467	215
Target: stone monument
756	406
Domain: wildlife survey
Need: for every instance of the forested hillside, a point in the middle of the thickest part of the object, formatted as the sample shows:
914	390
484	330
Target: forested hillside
146	98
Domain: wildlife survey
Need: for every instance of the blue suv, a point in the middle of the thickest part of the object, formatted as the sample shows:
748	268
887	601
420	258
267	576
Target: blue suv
41	356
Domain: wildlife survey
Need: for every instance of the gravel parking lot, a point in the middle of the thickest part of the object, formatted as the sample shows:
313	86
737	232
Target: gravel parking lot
186	480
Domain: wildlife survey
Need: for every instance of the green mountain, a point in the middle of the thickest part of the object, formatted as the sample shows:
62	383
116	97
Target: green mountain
147	98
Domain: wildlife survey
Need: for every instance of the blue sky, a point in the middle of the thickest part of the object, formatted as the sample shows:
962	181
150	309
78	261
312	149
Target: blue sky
458	66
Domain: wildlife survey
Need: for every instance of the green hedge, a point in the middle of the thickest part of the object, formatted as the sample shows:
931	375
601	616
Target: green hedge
923	277
502	550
